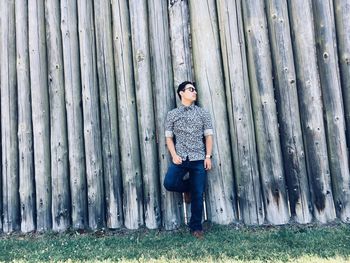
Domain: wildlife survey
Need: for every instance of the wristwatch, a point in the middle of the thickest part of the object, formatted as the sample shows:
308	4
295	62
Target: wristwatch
208	156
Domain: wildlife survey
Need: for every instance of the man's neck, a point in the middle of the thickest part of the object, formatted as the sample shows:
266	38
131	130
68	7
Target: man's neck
186	103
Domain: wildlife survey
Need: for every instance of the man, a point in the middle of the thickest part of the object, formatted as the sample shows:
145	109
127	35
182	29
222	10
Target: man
185	128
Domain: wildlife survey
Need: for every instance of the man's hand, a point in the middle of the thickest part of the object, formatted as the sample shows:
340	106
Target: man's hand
171	147
207	164
177	159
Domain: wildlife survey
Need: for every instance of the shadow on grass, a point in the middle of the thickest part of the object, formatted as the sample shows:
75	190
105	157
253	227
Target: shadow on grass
221	243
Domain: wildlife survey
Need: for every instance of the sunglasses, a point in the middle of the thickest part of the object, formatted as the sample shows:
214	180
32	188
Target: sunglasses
191	89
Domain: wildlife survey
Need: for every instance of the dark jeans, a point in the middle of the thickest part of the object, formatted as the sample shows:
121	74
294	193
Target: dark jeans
174	182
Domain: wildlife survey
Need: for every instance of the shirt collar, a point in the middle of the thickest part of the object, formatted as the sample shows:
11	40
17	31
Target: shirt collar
186	108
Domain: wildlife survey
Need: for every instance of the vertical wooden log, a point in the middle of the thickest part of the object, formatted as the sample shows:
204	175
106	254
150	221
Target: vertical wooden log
310	101
91	115
127	117
0	142
146	120
180	42
162	83
342	17
240	113
265	115
109	119
71	58
333	105
25	129
130	159
1	211
222	207
288	108
59	147
9	145
40	113
179	21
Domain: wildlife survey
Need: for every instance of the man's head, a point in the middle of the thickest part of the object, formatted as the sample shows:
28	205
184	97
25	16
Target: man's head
187	91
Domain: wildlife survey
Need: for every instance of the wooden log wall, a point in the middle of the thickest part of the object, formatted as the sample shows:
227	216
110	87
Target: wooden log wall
86	85
264	112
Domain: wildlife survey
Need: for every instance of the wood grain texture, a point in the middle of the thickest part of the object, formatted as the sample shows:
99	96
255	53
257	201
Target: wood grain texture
40	113
58	121
327	58
310	102
73	99
109	119
342	19
91	115
265	114
288	111
221	197
25	127
240	113
9	114
162	83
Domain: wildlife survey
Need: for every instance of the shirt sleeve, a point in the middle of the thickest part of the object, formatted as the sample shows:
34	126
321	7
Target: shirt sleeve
169	126
207	124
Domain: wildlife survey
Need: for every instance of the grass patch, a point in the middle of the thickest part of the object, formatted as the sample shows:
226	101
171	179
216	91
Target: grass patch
221	244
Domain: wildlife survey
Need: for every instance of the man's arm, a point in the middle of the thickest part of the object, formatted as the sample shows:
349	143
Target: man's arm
171	147
208	151
169	138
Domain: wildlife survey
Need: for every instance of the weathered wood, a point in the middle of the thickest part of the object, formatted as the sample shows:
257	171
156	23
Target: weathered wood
127	117
59	144
40	113
72	83
91	115
146	119
181	58
162	83
240	113
342	17
333	105
109	119
0	145
288	109
9	144
40	71
221	199
25	129
265	115
182	64
310	102
0	179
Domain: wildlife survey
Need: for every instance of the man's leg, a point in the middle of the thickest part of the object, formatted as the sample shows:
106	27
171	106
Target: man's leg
173	180
197	182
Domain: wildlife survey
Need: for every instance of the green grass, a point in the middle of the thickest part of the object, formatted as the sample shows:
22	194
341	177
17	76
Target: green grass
221	244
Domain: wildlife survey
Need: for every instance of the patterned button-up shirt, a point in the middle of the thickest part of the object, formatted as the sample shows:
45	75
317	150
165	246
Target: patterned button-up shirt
188	125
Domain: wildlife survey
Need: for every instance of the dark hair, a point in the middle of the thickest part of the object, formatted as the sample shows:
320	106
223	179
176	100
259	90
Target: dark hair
182	87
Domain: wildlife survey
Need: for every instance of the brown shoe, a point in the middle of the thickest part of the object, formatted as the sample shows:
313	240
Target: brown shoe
187	196
199	234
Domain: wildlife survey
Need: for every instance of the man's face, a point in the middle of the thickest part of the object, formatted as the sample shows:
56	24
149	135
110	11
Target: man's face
189	93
